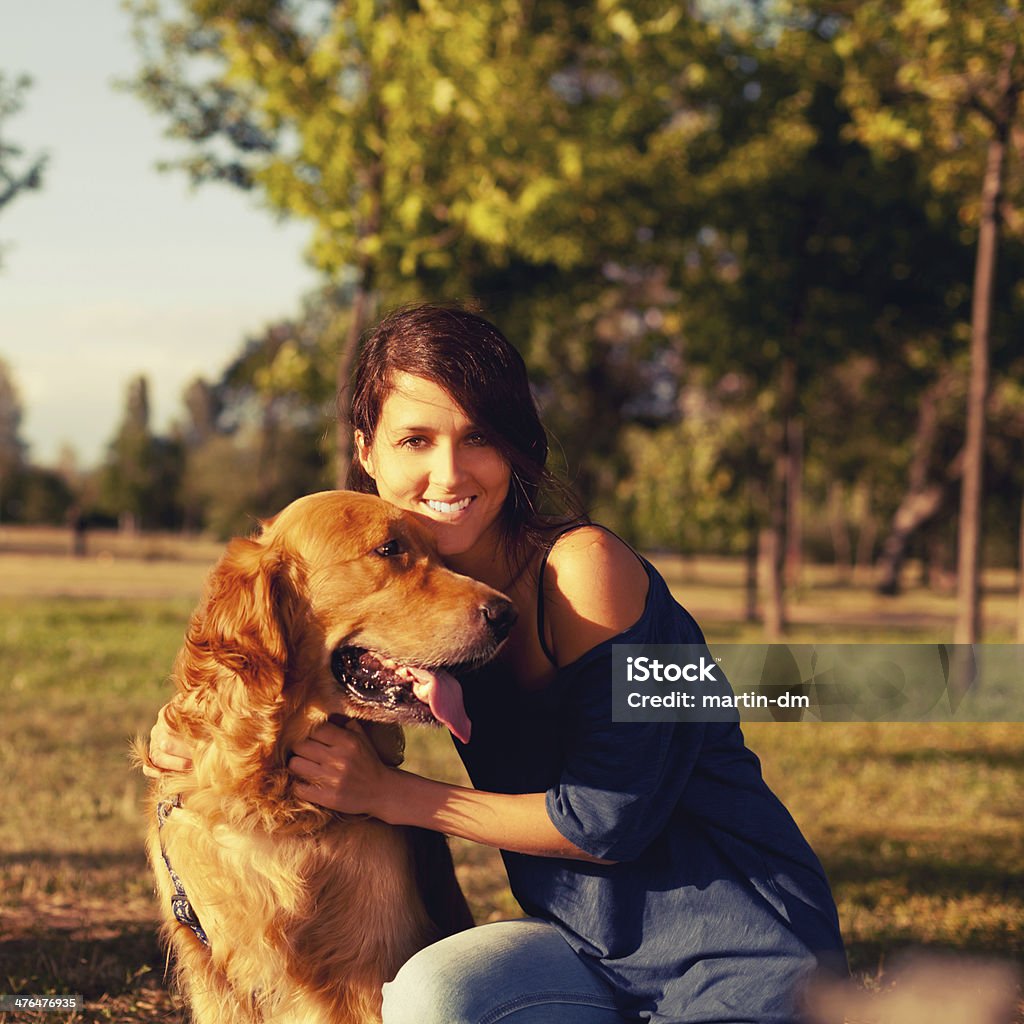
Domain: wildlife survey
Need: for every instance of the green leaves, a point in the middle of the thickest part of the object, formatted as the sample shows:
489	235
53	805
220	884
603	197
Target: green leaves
937	78
424	138
639	191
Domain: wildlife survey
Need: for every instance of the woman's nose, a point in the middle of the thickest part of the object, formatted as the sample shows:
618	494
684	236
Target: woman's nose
446	468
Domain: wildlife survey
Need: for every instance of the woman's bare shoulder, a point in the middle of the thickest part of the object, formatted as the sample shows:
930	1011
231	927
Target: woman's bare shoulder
594	588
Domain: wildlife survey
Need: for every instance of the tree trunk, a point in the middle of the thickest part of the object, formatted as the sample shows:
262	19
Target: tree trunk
755	496
362	311
924	496
969	542
363	302
794	496
750	587
842	550
917	508
774	536
1020	577
772	558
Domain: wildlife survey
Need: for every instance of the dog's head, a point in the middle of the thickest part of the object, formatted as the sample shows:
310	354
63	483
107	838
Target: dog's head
305	620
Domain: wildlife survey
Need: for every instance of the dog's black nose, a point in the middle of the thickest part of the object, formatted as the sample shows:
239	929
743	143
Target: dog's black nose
501	615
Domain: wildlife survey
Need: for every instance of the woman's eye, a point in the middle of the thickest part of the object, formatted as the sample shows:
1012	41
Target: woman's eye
477	439
389	549
413	442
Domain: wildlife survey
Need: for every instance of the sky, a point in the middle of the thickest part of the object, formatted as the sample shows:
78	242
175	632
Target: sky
114	269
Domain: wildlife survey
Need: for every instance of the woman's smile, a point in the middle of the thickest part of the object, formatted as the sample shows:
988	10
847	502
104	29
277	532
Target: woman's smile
450	507
429	457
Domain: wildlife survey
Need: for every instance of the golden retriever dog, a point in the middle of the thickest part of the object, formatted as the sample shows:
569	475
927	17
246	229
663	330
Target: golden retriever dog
278	910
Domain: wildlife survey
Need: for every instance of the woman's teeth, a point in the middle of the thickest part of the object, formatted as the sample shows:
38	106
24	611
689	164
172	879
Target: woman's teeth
444	506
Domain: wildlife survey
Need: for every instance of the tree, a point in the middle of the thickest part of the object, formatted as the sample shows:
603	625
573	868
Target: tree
141	476
12	447
932	471
943	80
439	149
254	438
343	115
43	496
796	263
16	174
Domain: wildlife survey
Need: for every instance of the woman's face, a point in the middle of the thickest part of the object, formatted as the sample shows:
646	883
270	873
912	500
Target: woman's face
428	457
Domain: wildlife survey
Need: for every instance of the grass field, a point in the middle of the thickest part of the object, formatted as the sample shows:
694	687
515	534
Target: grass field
919	826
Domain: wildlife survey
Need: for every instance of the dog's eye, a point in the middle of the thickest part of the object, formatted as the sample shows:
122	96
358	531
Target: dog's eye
389	549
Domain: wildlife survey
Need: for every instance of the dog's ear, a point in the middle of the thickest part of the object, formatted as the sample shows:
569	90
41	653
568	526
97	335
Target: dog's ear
243	623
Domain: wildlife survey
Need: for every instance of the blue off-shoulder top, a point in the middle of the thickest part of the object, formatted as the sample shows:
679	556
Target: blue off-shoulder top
716	909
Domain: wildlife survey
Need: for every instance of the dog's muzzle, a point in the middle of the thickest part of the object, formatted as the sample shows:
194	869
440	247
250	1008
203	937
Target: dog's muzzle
368	681
500	615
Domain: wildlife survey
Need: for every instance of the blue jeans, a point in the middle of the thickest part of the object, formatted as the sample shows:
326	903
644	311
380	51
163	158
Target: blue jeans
522	972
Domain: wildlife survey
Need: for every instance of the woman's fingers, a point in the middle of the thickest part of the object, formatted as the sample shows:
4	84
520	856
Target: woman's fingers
324	735
167	750
338	768
164	762
329	737
306	770
173	750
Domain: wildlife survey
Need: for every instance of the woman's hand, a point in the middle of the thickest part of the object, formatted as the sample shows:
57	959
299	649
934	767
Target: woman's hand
168	751
337	767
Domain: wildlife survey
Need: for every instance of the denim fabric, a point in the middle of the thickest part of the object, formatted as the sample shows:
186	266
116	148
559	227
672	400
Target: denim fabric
522	972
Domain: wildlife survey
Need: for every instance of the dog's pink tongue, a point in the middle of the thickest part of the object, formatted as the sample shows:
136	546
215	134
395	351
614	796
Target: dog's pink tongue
441	692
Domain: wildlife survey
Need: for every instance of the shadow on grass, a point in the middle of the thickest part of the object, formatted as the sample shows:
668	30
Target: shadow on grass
125	958
130	860
118	971
986	757
871	958
902	864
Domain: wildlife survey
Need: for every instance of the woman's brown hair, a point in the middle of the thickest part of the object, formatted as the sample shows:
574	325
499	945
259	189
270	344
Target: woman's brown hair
479	367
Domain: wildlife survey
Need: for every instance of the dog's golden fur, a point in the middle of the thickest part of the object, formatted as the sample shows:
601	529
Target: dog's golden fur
307	912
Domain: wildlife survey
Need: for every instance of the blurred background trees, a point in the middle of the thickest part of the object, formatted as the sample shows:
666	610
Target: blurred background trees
18	173
12	448
748	251
942	80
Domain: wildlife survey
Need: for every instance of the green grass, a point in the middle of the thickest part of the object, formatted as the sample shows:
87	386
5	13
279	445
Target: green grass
918	825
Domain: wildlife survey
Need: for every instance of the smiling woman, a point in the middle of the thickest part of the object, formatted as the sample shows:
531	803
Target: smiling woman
445	422
429	457
664	879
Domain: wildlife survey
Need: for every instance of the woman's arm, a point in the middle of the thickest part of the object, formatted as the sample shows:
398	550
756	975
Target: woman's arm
339	769
350	777
595	587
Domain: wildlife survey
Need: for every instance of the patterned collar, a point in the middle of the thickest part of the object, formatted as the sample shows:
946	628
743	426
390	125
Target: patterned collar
180	903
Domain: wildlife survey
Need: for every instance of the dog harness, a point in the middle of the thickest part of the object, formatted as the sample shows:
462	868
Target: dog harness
182	907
